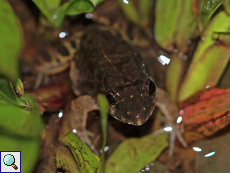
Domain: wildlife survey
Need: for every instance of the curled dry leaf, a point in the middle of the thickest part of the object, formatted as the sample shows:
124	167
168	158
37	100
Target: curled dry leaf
52	97
205	113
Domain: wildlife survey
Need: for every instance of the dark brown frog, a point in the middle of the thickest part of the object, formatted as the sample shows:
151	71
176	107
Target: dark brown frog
106	64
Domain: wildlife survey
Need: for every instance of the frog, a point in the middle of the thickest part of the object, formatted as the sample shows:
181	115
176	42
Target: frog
103	67
102	60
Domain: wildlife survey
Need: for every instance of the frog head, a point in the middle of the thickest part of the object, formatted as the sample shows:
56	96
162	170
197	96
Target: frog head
132	103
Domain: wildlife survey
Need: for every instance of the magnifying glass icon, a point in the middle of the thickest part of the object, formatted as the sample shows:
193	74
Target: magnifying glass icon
9	160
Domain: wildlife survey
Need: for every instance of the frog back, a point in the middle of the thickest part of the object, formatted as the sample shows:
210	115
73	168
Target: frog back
103	61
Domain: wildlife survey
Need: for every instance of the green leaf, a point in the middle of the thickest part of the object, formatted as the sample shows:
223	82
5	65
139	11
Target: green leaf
87	161
145	8
18	115
34	122
19	120
65	159
19	88
52	4
133	154
29	148
79	6
56	15
173	76
48	10
210	59
8	95
179	29
227	6
130	11
96	2
10	42
20	131
208	8
47	6
104	109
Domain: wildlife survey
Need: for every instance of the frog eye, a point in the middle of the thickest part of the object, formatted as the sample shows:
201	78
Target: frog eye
150	88
111	97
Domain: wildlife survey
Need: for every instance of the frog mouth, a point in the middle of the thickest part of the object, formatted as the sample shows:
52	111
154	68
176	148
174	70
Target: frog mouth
129	118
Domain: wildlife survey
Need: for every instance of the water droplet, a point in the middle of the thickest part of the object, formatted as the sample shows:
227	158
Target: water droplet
189	42
163	60
179	120
60	114
197	149
180	55
88	15
185	57
210	154
106	148
54	17
176	51
62	34
126	1
168	129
